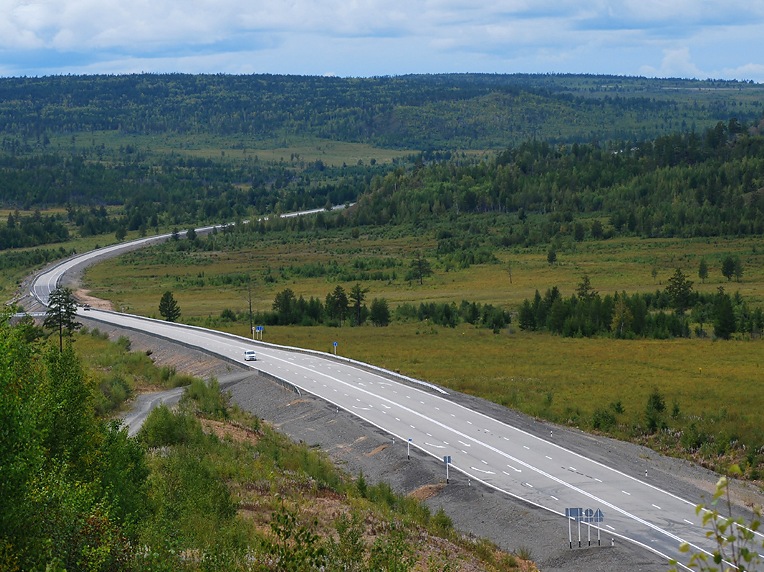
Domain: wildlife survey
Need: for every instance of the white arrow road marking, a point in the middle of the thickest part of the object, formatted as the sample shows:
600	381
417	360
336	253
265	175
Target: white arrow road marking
482	471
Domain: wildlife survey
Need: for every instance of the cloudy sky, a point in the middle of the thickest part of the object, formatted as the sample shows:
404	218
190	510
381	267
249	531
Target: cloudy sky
720	39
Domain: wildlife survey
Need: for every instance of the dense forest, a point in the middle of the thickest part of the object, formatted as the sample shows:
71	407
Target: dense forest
448	111
694	184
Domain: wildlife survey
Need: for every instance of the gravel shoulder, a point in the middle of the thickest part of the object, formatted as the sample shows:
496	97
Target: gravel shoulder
477	510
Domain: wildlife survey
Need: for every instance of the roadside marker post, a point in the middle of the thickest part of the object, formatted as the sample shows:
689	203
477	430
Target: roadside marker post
447	461
408	449
335	348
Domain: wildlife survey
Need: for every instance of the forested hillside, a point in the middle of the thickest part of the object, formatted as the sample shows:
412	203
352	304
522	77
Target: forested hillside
450	111
689	184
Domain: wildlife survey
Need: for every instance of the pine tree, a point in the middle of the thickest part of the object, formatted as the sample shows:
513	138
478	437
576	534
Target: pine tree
724	322
703	270
168	307
61	314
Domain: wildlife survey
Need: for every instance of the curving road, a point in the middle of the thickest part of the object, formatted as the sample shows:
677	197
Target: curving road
501	456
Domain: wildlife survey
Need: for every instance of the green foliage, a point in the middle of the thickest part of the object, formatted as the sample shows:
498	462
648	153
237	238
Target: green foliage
524	552
728	267
703	270
380	312
724	318
206	398
337	304
77	481
738	545
163	428
27	231
603	419
679	290
349	552
441	521
656	405
168	307
61	314
419	269
296	547
640	315
21	451
392	553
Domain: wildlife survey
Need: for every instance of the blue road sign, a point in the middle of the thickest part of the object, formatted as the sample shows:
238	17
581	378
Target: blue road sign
585	515
447	459
335	344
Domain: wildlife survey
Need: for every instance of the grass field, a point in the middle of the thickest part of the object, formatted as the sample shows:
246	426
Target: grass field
290	149
612	266
708	386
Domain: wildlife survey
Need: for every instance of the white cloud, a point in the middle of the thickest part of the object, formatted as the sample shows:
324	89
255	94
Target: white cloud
368	37
676	63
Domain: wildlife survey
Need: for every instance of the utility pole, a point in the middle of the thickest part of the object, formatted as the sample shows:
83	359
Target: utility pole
249	299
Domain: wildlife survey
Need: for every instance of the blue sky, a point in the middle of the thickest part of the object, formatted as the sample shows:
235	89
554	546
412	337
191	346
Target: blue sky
720	39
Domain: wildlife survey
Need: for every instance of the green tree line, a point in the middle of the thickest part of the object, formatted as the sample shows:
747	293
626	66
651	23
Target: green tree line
666	313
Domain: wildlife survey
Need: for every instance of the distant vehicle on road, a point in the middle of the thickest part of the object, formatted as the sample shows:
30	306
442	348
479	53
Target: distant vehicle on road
86	307
250	355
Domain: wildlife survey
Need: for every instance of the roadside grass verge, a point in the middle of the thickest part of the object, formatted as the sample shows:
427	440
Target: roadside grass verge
117	373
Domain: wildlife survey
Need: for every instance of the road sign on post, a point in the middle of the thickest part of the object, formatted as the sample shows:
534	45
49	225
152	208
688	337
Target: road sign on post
447	461
335	348
587	516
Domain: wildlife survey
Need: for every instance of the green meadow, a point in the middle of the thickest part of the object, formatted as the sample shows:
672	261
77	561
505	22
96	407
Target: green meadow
600	384
289	148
